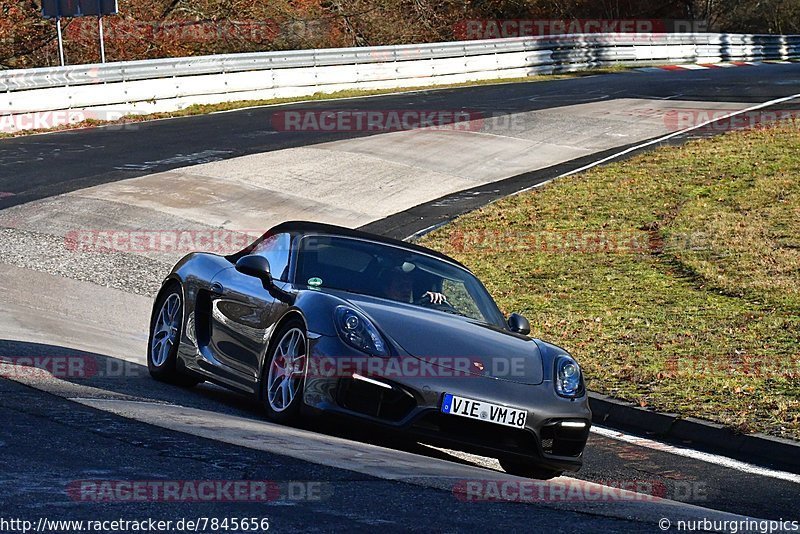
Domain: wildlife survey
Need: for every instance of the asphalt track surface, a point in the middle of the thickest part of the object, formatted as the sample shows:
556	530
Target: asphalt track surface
48	441
36	468
36	167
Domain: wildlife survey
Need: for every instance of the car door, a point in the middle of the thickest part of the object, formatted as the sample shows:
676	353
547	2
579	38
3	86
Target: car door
243	313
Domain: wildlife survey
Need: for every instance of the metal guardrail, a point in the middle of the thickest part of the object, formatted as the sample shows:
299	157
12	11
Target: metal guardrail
725	45
186	80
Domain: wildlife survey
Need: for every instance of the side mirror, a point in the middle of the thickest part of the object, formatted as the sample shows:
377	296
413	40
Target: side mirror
257	266
519	324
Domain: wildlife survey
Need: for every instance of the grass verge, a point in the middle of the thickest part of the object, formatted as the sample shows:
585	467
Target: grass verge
202	109
674	277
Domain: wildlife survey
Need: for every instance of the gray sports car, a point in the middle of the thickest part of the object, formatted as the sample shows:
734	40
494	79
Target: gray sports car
314	318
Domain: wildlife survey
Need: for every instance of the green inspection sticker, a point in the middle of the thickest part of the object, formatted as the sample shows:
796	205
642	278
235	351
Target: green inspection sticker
315	282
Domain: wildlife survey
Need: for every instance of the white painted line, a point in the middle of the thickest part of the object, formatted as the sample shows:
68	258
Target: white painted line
662	139
429	229
84	400
692	66
722	461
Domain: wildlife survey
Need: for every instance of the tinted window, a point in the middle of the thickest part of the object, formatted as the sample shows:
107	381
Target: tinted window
276	249
394	273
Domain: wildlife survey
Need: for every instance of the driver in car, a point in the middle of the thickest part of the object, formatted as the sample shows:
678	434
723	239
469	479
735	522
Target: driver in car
400	287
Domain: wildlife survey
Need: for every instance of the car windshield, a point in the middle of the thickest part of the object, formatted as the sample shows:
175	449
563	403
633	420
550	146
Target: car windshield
394	273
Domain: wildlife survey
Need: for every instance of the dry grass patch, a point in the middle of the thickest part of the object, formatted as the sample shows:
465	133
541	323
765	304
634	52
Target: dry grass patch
674	277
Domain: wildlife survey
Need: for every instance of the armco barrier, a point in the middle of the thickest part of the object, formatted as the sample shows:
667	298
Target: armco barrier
147	86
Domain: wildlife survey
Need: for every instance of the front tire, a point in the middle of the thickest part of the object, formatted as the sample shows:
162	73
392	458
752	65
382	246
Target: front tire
527	469
166	328
284	373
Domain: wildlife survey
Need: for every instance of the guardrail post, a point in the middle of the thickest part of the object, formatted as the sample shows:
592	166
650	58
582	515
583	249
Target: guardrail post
60	41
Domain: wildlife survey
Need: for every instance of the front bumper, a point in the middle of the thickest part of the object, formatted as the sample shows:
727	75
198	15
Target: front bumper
411	404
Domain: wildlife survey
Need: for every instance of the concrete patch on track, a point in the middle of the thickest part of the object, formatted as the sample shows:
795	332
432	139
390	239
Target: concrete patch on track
505	146
47	308
296	184
350	182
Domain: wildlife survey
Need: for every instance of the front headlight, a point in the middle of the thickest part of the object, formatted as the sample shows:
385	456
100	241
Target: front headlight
568	379
358	332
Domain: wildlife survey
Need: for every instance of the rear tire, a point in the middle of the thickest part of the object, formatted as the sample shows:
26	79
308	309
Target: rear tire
283	376
166	328
522	468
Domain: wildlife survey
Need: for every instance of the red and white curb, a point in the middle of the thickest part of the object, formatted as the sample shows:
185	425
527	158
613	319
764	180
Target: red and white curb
706	66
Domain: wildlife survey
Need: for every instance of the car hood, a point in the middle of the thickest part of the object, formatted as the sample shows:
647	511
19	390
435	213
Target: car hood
455	342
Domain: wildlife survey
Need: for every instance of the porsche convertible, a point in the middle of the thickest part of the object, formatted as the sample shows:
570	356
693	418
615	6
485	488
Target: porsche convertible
315	319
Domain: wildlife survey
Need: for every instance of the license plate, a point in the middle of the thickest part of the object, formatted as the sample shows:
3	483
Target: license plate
484	411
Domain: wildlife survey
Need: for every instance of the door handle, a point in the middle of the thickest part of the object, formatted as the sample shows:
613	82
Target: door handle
216	287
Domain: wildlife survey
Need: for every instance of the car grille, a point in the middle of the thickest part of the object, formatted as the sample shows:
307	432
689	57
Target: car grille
375	401
558	440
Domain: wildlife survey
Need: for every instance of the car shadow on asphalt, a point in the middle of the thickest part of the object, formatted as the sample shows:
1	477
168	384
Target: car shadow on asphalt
76	373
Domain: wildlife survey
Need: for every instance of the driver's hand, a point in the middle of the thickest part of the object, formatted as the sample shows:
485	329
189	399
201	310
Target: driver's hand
436	298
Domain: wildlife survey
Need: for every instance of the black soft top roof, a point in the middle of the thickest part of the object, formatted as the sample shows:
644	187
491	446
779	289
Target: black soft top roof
310	227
